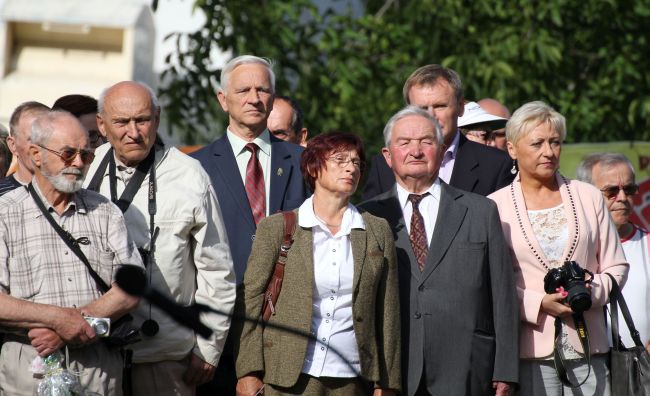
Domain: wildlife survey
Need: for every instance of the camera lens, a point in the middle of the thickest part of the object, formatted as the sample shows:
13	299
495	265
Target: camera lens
101	328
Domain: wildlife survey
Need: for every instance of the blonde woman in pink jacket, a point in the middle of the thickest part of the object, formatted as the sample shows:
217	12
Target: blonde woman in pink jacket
549	220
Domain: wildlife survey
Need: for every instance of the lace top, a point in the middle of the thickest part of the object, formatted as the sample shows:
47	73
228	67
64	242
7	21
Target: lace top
552	234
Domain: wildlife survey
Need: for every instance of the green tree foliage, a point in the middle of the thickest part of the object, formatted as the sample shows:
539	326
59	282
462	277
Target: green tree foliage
588	59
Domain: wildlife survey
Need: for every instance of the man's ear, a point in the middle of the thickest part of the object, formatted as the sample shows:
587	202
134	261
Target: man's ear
221	97
101	126
387	156
35	155
303	137
11	143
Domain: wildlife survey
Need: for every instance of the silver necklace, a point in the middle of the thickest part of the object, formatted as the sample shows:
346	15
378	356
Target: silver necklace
574	242
326	223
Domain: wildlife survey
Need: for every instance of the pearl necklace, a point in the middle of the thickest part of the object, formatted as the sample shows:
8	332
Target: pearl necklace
574	243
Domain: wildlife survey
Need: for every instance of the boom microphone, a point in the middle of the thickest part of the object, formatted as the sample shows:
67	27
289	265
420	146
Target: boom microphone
133	280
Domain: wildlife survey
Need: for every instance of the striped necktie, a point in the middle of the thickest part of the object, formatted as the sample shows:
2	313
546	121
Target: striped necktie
255	189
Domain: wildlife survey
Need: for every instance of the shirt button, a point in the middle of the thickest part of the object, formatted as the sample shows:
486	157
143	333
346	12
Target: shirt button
66	253
327	321
322	348
334	250
328	315
332	298
417	315
69	279
253	237
324	339
333	263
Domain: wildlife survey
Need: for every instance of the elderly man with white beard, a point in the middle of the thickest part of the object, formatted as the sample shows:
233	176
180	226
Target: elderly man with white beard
46	289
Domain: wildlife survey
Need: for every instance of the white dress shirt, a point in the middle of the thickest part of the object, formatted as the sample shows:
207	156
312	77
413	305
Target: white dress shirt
449	159
332	301
428	207
242	155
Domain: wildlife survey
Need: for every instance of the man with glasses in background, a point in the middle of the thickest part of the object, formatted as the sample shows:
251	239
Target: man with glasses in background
494	107
613	174
46	288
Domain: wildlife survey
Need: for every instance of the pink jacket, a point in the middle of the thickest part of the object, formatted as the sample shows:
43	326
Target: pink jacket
598	249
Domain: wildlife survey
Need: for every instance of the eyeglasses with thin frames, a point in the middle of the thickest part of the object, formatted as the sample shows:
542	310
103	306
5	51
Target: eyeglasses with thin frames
612	192
343	162
68	155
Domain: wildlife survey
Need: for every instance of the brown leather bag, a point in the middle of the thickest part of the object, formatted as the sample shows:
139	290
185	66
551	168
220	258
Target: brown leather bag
275	282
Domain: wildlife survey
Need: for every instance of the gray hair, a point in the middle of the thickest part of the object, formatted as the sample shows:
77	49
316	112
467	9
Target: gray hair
584	172
529	116
155	105
31	107
411	111
245	60
43	126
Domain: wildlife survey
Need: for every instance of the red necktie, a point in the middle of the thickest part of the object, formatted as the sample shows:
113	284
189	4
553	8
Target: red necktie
255	184
418	235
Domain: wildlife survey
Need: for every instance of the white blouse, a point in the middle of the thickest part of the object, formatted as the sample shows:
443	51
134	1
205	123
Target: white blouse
332	321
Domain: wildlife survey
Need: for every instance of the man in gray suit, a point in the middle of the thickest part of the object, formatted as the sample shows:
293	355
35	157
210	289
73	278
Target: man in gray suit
460	320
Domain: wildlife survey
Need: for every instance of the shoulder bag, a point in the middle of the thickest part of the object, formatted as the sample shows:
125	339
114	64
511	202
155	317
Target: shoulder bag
630	367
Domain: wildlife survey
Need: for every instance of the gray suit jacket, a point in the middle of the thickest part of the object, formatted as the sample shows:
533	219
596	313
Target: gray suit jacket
279	356
460	320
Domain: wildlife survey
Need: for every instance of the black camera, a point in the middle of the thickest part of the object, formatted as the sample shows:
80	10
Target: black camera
571	276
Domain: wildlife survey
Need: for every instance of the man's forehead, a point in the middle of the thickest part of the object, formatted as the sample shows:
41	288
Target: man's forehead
413	124
612	175
250	73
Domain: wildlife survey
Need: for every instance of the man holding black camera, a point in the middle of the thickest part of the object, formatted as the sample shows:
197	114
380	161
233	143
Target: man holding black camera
174	218
48	297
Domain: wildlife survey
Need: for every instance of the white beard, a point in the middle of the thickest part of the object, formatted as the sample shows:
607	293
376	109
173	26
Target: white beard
62	184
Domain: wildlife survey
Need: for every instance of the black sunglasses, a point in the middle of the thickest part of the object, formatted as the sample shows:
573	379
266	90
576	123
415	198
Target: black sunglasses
611	192
68	155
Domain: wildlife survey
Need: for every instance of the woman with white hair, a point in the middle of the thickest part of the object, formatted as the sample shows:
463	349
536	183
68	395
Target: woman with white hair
564	246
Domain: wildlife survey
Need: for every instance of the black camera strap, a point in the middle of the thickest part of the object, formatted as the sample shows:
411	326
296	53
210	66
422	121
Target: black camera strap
583	335
69	240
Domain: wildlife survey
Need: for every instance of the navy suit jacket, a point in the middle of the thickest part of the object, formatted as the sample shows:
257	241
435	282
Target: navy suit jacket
288	191
478	168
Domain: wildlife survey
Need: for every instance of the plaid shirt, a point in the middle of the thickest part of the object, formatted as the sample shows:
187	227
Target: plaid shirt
36	265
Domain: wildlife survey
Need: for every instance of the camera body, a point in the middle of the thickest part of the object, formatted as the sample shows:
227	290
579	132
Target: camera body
101	326
570	276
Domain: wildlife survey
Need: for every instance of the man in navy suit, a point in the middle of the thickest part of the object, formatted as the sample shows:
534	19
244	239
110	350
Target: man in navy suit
246	94
467	165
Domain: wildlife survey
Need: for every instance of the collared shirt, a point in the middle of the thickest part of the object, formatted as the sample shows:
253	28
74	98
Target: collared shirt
331	320
7	184
637	287
192	261
428	207
449	159
35	263
242	155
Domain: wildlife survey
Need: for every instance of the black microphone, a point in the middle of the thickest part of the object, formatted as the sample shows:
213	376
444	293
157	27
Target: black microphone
133	280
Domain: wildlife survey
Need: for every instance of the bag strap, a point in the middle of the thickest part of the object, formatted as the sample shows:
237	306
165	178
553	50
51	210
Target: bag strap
289	229
69	240
616	300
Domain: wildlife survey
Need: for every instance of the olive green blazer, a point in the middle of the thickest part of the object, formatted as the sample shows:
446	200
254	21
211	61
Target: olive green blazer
279	356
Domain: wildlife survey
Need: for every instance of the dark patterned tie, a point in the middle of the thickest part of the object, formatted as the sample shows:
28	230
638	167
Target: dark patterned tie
255	184
418	235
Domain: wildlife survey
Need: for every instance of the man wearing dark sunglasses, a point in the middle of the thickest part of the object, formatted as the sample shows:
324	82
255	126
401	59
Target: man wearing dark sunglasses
51	233
613	175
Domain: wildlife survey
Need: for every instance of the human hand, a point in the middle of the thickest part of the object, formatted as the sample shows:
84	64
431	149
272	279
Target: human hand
554	305
249	385
45	340
72	327
198	372
383	392
501	388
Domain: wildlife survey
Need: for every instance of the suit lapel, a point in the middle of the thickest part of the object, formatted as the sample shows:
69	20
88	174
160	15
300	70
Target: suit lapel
450	217
303	245
281	169
393	214
358	239
226	166
463	176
